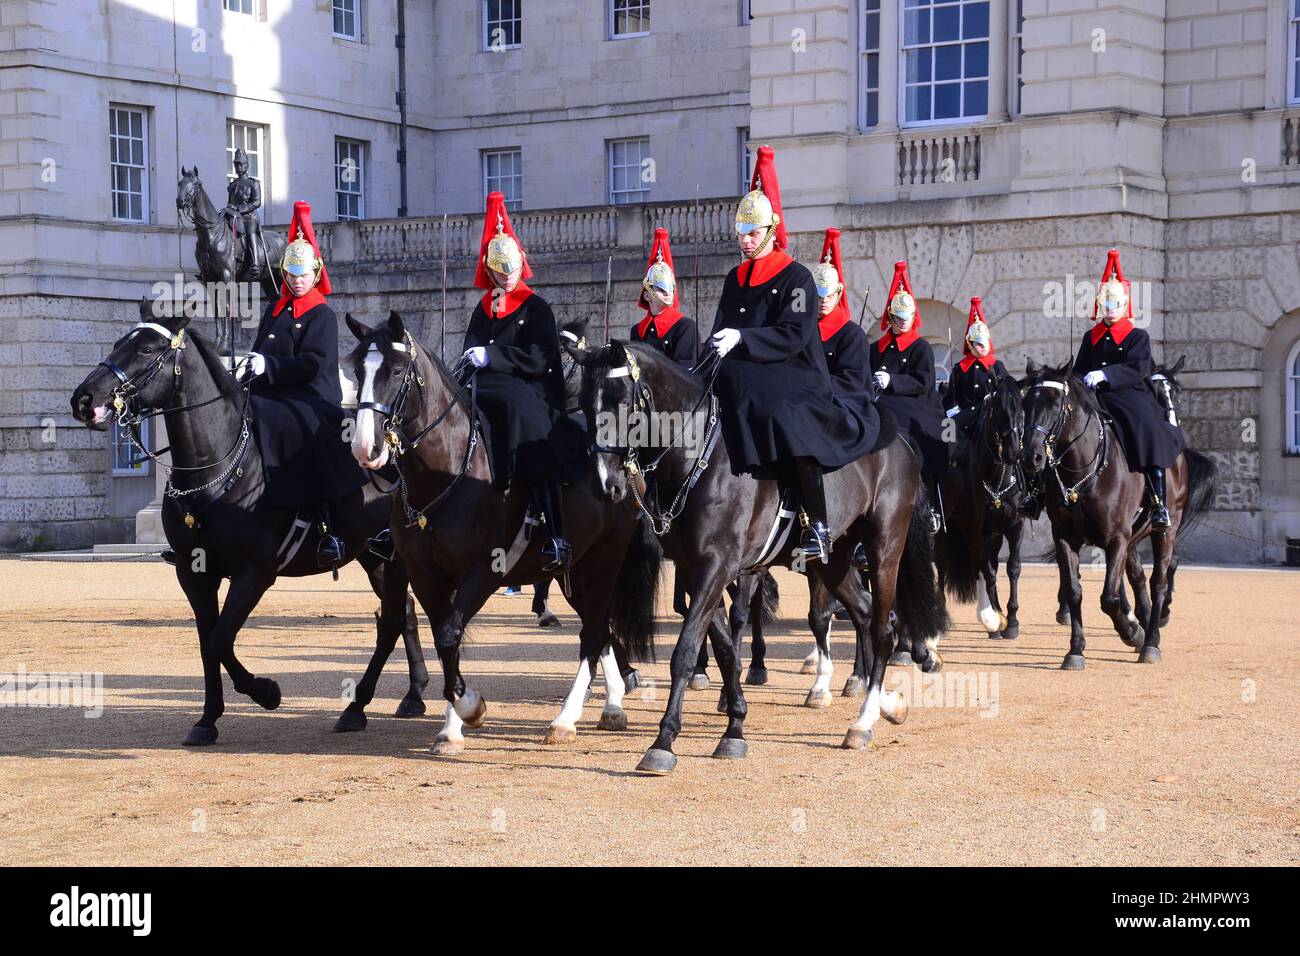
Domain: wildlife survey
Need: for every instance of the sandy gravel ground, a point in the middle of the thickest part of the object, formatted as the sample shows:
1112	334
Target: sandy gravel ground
1192	761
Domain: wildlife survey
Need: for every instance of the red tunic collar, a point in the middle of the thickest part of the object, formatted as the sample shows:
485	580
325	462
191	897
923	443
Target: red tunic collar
664	321
758	271
828	325
1118	331
904	341
985	360
301	304
507	302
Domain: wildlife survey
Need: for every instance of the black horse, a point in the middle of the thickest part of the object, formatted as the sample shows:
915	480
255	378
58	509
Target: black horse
461	540
1091	497
981	494
716	525
215	516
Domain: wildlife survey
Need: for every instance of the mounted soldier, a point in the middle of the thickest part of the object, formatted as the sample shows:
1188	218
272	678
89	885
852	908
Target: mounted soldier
779	417
664	325
513	343
975	377
243	199
903	367
296	395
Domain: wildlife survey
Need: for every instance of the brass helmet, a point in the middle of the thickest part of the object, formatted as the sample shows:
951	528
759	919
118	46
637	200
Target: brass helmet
902	304
978	334
503	252
755	212
1112	295
826	277
660	276
300	258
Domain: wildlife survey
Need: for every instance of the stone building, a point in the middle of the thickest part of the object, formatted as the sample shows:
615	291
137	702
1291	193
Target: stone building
1001	146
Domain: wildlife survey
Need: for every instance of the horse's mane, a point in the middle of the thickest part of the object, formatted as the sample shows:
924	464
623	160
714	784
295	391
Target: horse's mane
221	376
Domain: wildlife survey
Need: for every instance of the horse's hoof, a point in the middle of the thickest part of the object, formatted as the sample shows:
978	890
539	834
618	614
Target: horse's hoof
410	707
200	736
857	739
900	658
559	735
900	712
809	665
933	665
548	619
1002	621
1149	655
817	699
722	702
446	747
631	681
657	762
1072	662
1062	617
266	692
756	676
612	718
854	687
1138	639
1011	632
699	682
350	721
731	748
475	720
1164	620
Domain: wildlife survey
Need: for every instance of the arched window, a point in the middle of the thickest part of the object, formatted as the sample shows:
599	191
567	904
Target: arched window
1292	423
945	356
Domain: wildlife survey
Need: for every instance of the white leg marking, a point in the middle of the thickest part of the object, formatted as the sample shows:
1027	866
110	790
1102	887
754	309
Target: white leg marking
889	701
571	711
453	728
363	439
825	669
614	687
870	711
988	615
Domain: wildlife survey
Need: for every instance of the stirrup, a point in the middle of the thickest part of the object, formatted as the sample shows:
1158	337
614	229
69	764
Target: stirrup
859	558
382	545
1029	507
816	542
329	553
1160	517
556	554
169	556
936	521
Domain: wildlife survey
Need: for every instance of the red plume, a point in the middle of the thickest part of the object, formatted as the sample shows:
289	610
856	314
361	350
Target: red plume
900	280
300	225
765	178
1113	268
496	209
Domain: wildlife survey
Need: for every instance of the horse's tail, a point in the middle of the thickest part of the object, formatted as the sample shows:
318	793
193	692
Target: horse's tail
771	602
1202	485
918	601
960	563
632	612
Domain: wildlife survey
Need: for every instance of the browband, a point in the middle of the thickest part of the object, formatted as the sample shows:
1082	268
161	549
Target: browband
396	347
155	327
1060	386
621	372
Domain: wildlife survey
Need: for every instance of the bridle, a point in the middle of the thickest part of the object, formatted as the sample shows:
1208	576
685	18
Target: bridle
642	402
1008	476
124	399
395	419
1056	462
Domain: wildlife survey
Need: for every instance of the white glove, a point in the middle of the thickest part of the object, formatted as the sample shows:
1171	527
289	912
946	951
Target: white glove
952	412
882	379
1095	378
253	365
477	356
725	340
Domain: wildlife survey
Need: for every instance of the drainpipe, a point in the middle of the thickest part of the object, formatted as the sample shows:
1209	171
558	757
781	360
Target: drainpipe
400	41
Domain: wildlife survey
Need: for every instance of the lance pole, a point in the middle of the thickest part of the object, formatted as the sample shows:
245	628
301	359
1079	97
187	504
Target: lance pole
442	348
609	281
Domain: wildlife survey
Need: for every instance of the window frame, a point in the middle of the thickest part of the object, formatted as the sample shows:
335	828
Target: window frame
250	12
644	192
512	205
356	19
119	438
864	90
360	191
903	122
143	112
487	32
260	153
611	11
1291	425
746	158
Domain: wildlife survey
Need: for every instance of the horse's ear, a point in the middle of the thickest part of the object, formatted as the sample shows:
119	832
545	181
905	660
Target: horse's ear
1032	368
146	309
1178	366
1064	369
356	328
396	327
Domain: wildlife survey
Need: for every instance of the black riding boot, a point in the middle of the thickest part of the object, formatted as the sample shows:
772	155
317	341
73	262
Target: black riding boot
329	552
1159	511
816	540
382	545
1031	505
556	553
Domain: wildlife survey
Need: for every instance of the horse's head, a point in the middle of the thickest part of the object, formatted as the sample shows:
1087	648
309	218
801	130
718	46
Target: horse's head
607	384
573	341
188	188
139	372
1006	420
384	367
1046	405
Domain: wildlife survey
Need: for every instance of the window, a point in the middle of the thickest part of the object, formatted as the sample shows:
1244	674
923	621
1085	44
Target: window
239	6
128	164
629	18
127	458
347	19
945	60
746	160
1017	54
503	172
945	356
869	65
629	170
503	25
1293	401
349	179
248	137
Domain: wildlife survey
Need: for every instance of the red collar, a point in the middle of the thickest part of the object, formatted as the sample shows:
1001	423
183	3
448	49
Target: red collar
1118	331
507	302
664	321
301	304
985	360
830	324
904	341
759	271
